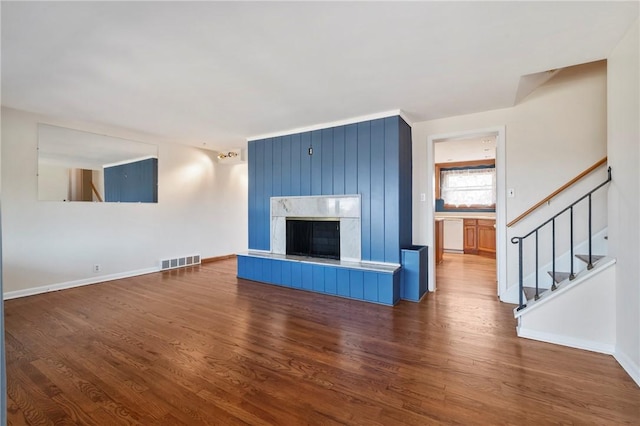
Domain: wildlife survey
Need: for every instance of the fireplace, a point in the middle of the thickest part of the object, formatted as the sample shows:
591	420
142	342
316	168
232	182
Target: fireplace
343	211
313	238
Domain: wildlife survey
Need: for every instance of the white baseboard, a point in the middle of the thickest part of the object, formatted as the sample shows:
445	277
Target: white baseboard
588	345
77	283
629	366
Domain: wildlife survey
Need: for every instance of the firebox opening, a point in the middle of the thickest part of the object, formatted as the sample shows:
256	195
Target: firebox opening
313	238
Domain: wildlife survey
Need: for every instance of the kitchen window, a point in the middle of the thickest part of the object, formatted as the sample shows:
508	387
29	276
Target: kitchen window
466	187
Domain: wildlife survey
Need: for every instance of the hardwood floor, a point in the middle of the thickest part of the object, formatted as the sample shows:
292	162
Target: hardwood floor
198	346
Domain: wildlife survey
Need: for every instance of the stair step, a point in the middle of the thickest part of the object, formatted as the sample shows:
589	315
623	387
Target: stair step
585	258
560	276
530	292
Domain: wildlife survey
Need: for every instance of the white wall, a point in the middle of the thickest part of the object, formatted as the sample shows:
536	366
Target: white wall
551	136
202	209
624	195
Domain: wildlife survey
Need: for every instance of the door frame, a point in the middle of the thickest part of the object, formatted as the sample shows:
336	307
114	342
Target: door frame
501	226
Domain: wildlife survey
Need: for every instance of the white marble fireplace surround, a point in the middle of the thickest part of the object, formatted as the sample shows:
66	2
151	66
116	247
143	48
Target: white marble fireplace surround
345	208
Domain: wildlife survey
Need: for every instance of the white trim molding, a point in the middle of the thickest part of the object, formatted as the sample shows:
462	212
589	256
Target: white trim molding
77	283
501	201
330	124
572	342
628	365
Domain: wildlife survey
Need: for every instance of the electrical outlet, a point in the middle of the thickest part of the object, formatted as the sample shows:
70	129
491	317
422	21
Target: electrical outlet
97	267
423	196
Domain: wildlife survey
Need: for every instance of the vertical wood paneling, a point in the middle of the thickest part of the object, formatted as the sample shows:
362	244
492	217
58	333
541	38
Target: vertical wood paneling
370	284
378	190
305	164
276	272
318	278
316	163
351	159
327	162
356	284
364	185
307	276
371	158
392	189
405	179
268	186
286	274
258	220
343	288
330	280
338	160
276	188
296	174
252	202
285	174
296	275
385	289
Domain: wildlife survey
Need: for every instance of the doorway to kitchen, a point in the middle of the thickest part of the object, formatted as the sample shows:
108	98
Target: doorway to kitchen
467	217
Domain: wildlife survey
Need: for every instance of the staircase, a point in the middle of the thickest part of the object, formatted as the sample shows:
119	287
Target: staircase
542	313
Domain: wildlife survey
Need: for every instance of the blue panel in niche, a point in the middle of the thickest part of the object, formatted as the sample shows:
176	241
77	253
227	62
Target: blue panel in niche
135	182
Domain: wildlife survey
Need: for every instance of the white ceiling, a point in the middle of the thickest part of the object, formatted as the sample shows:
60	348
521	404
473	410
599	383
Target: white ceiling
217	73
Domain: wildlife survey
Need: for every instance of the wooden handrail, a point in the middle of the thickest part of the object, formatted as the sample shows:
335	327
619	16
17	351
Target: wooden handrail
557	191
95	191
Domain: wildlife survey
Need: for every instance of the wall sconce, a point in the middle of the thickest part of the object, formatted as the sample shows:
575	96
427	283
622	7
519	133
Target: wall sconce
232	156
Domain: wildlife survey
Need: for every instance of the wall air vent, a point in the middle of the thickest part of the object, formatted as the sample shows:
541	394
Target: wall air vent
179	262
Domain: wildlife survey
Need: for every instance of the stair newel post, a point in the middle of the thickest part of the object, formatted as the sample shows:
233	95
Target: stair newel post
572	275
518	240
590	264
537	293
553	254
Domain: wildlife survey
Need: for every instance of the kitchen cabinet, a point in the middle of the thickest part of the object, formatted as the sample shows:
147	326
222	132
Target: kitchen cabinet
480	237
439	240
470	240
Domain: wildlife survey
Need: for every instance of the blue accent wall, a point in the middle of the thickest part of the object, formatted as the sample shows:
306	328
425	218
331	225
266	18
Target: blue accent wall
371	158
135	182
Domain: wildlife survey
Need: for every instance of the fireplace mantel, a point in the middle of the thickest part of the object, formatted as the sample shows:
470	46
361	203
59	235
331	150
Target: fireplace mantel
345	208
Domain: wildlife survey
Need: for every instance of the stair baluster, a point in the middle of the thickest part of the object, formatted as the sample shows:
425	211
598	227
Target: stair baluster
556	276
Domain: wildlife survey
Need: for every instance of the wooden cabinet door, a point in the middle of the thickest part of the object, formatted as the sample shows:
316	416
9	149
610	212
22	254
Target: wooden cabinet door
470	237
486	237
439	228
